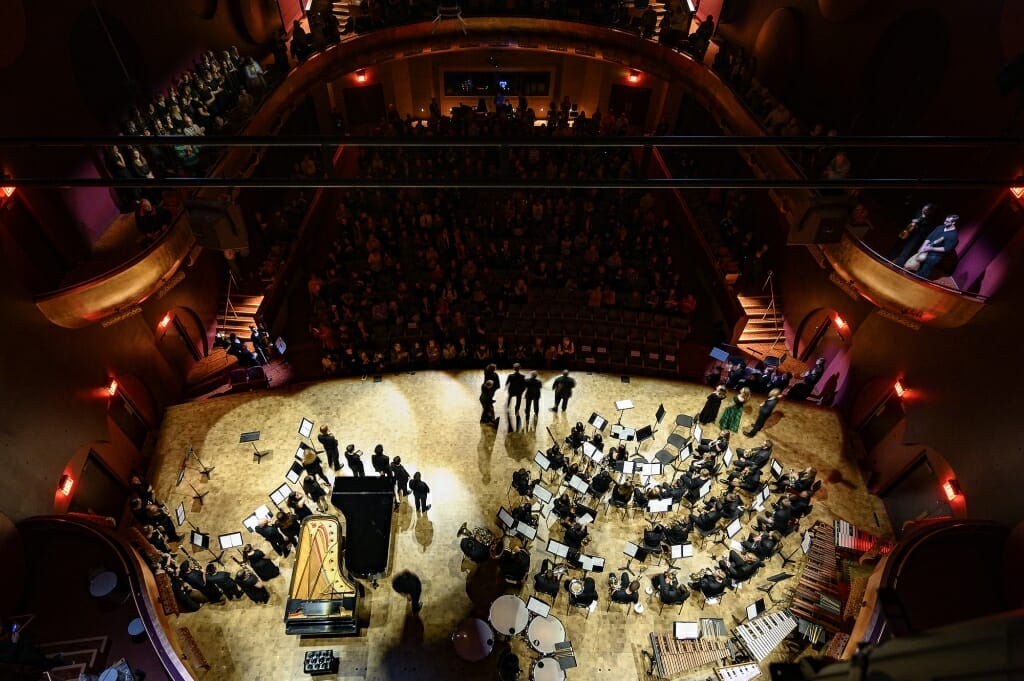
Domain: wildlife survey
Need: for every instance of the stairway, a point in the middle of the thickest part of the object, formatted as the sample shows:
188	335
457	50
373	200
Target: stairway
237	312
764	322
82	655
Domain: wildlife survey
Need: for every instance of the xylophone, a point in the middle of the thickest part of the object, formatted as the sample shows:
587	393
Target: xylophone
673	657
848	537
738	672
816	597
762	634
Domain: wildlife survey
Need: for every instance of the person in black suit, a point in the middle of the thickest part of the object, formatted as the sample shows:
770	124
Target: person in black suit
777	520
764	411
563	387
762	544
487	391
296	501
515	386
311	464
670	591
601	483
420	490
575	534
222	580
270	532
330	445
740	566
585	597
515	564
708	520
192	573
800	504
754	458
678	532
716	446
711	583
545	581
401	477
260	564
532	388
315	492
381	462
354	458
522	483
252	585
627	593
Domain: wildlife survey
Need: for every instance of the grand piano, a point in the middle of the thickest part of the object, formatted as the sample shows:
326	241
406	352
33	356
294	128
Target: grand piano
321	601
368	505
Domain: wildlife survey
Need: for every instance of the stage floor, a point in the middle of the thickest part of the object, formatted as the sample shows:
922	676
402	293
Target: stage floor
431	419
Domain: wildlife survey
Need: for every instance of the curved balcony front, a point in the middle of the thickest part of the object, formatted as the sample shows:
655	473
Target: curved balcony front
88	301
890	288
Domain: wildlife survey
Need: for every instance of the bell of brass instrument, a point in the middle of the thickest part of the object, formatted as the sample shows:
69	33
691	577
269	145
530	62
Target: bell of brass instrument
909	229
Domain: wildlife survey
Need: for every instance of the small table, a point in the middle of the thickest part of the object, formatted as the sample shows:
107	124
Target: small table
509	615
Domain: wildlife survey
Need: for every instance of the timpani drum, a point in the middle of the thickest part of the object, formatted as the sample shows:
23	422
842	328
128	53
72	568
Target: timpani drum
547	669
509	615
473	639
544	632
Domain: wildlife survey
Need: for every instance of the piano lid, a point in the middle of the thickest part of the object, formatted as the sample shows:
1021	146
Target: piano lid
368	505
320	599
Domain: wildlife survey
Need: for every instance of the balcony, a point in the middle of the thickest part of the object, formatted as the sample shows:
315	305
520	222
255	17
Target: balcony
890	288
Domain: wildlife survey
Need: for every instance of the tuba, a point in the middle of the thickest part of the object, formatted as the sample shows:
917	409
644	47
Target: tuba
498	546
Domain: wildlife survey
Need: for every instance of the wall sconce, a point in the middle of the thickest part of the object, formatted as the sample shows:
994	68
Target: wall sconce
6	191
112	388
899	388
1017	192
952	489
840	322
65	485
163	323
361	75
634	76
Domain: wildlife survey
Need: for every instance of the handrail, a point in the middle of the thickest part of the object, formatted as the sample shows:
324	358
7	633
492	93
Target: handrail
143	587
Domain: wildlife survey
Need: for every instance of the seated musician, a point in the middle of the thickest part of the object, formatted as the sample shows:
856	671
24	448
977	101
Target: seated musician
716	446
708	520
618	454
585	597
546	581
640	497
754	458
731	506
471	547
654	537
522	483
695	483
630	593
703	462
577	436
622	493
555	456
678	532
748	479
575	534
508	666
563	507
762	544
675	490
800	504
515	564
598	441
601	483
778	519
799	482
740	566
711	583
524	513
670	591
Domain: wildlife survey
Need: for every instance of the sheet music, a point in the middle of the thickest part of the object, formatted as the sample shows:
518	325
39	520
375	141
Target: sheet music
623	405
631	549
727	459
541	460
776	468
538	607
506	518
705	488
578	484
675	551
686	630
592	452
294	473
251	522
305	427
279	495
687	550
628	467
685	453
585	519
598	421
733	527
263	512
659	505
557	548
736	546
650	469
591	563
528	531
542	493
179	513
805	545
698	432
230	541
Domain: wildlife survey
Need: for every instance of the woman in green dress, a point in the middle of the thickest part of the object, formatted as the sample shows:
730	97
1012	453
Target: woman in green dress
734	412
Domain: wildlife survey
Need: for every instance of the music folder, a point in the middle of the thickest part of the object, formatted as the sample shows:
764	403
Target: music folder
755	608
598	421
592	452
263	512
251	522
776	469
557	548
279	495
199	539
686	630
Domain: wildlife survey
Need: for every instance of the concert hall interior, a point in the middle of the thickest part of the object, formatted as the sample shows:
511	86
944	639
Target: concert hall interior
237	236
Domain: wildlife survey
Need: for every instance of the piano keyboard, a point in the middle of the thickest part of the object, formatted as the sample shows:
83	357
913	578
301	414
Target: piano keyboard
848	537
762	634
673	657
738	672
712	627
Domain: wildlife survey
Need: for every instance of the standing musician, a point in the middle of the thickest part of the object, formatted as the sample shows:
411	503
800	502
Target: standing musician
288	526
252	585
381	462
223	581
515	564
311	464
192	573
258	561
354	458
297	503
533	388
315	492
270	532
515	385
401	477
330	445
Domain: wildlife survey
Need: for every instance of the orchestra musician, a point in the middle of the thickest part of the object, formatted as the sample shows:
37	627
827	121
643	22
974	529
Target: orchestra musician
670	591
260	564
297	503
716	446
598	441
311	464
678	532
354	458
694	483
748	479
555	456
654	537
740	567
762	544
546	581
192	573
315	492
524	513
622	492
223	581
628	592
576	534
475	546
272	534
155	537
381	462
289	527
522	483
601	483
563	506
800	504
708	520
778	520
798	482
710	582
252	585
731	506
577	436
754	458
515	564
585	597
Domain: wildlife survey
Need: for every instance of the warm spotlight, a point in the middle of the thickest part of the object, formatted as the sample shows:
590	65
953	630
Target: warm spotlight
112	388
1017	192
162	324
65	485
952	489
361	75
840	322
9	191
899	388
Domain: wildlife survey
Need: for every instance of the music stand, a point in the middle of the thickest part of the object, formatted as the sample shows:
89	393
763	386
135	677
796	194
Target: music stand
659	415
776	469
279	495
728	457
622	406
698	433
203	468
306	429
250	522
198	496
197	538
623	433
557	549
805	546
730	531
251	438
705	489
506	519
598	422
538	607
543	462
525	530
585	515
755	609
592	452
642	435
179	513
294	473
579	484
631	550
772	582
181	476
678	551
543	494
591	563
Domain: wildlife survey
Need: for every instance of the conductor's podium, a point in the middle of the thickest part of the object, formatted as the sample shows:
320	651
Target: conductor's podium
321	601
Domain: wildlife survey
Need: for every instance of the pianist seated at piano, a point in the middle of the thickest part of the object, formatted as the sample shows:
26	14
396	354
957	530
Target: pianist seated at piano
515	564
778	519
753	458
259	563
716	446
740	566
670	591
711	583
522	483
563	507
762	544
628	592
546	581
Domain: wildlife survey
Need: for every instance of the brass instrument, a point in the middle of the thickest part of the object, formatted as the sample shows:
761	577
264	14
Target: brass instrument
576	587
480	534
910	228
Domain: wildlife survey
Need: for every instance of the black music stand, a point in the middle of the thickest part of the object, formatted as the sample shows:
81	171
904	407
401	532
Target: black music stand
203	468
251	438
633	551
198	538
772	582
599	422
805	546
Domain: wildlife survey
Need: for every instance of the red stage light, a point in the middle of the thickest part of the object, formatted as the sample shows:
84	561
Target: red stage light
952	489
165	321
65	485
634	76
899	388
361	75
112	388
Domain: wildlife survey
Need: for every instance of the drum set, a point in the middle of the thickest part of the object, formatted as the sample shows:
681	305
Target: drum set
509	616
